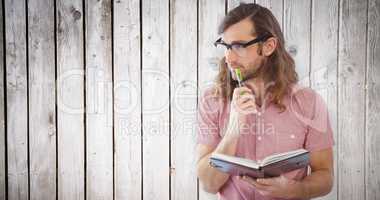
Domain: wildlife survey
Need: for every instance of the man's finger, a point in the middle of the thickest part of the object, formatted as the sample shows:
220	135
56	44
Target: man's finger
249	104
242	90
254	183
246	104
264	193
248	110
265	181
268	181
245	98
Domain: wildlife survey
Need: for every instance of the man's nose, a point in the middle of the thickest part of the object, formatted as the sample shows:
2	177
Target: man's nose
231	56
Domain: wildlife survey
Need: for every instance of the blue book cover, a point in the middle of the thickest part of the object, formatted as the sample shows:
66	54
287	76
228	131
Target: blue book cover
271	166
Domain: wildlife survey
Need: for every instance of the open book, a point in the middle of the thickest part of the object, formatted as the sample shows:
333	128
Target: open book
271	166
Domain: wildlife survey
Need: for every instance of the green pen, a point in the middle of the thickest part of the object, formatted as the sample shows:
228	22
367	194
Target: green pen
239	78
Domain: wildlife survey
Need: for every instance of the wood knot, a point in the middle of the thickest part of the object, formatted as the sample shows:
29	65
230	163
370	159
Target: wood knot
292	50
76	14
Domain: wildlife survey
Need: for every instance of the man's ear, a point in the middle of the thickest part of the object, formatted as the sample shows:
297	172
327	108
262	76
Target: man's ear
269	46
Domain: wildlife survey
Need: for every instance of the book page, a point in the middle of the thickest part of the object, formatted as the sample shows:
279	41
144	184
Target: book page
237	160
281	156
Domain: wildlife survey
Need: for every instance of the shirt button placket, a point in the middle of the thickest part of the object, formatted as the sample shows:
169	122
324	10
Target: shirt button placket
259	138
258	133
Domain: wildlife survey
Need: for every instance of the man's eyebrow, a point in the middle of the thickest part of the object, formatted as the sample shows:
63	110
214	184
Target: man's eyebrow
235	42
238	41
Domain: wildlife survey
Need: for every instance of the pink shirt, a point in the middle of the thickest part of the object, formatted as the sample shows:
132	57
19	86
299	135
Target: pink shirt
304	124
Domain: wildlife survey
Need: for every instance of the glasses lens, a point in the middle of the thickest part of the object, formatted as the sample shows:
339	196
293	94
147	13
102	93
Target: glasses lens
221	48
239	50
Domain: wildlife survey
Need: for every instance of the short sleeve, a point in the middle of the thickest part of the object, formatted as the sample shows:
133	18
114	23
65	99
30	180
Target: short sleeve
319	132
208	120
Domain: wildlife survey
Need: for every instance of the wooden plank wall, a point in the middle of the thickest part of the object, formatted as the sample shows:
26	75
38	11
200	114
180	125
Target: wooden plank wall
324	29
70	99
98	98
2	117
41	99
16	98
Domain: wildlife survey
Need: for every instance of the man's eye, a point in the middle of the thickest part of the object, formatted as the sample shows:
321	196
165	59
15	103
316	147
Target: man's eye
237	46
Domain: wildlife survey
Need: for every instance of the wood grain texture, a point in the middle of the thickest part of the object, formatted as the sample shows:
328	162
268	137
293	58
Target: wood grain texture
297	36
324	65
2	111
127	103
42	135
184	99
231	4
155	99
276	7
211	14
17	99
99	99
70	99
351	99
372	177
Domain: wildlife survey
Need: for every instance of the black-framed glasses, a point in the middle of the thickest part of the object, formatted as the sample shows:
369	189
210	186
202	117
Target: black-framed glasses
238	47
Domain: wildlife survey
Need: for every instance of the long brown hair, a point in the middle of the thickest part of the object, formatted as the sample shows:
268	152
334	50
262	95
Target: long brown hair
279	67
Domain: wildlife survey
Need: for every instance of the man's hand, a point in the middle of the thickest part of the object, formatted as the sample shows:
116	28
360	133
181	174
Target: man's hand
242	104
316	184
243	101
278	187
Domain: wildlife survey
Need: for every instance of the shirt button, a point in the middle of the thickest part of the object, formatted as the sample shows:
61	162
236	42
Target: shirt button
259	138
292	136
259	113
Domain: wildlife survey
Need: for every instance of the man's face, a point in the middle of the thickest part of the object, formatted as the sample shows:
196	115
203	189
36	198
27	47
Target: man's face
241	32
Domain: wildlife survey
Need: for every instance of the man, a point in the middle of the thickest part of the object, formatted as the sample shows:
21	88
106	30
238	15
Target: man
269	114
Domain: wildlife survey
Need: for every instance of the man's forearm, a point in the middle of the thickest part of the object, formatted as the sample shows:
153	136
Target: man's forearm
316	184
211	178
228	144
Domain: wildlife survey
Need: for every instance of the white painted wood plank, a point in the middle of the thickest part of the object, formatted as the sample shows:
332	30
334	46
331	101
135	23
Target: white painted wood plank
231	4
211	14
155	99
99	111
127	104
184	99
297	36
351	102
2	114
373	103
276	6
70	99
17	127
42	130
324	65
